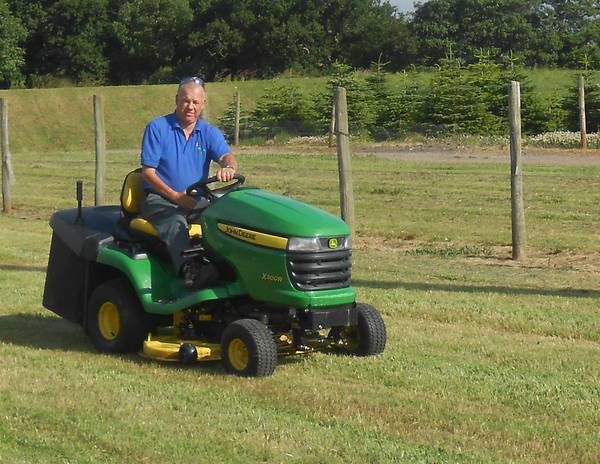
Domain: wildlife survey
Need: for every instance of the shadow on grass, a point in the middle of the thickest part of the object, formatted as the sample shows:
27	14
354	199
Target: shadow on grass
19	268
214	367
43	332
565	292
53	333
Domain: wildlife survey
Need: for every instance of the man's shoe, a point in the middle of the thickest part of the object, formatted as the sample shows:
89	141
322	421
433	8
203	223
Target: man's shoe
206	276
189	273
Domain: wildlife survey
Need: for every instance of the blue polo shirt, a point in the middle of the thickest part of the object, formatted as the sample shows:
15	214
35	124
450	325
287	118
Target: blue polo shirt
180	162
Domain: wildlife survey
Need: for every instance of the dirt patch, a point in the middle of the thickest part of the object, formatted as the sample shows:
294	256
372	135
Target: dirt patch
489	255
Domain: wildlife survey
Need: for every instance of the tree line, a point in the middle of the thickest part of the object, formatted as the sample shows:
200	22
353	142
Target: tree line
111	42
457	99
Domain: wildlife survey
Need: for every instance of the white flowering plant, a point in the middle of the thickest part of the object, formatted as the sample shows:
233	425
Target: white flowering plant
562	139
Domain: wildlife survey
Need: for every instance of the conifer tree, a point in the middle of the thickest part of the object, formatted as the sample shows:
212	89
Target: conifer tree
570	103
400	111
452	104
227	120
533	112
359	114
283	108
485	79
376	94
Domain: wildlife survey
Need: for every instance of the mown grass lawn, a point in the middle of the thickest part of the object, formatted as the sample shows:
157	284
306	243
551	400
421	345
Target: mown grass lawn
487	360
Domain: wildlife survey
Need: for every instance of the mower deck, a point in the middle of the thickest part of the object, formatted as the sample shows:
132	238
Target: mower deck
166	347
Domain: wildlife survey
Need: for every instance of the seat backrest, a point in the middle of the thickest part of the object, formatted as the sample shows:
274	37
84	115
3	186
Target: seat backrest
132	195
132	192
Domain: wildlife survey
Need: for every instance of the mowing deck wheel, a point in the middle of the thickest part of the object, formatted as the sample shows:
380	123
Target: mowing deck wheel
248	349
367	338
238	354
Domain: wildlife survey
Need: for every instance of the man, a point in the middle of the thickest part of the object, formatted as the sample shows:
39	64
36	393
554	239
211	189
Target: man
176	152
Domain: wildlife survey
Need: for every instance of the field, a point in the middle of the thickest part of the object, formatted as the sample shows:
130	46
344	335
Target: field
488	360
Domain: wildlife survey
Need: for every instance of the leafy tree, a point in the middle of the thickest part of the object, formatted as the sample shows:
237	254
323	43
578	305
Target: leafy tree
576	22
466	26
362	31
267	37
254	38
76	39
66	38
11	53
146	35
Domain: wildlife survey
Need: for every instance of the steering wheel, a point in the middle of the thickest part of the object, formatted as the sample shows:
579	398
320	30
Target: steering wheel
201	187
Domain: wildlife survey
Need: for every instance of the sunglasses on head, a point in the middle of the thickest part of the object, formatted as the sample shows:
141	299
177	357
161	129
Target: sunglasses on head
194	79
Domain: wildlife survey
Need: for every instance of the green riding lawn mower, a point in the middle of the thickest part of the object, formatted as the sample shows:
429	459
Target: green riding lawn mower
276	274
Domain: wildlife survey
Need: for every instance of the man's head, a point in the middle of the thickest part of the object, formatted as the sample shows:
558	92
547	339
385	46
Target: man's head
190	101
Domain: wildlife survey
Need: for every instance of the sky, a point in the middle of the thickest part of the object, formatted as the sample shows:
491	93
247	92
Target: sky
403	5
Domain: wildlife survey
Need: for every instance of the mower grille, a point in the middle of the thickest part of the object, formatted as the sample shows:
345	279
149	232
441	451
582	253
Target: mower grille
324	270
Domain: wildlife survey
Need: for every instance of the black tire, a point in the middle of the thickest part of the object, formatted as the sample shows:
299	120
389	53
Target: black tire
116	320
368	337
248	349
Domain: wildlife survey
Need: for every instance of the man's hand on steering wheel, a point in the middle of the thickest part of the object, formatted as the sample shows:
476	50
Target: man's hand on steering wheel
226	173
201	187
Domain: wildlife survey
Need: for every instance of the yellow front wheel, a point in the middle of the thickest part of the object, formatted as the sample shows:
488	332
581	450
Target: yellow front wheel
248	349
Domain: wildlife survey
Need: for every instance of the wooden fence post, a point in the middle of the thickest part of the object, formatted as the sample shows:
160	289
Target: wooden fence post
100	149
332	124
236	130
516	179
343	151
582	121
7	170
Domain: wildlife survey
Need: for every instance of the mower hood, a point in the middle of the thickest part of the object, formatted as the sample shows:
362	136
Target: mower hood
261	210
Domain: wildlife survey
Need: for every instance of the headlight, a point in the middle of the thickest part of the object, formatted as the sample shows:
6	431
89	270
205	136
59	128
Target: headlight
313	244
304	244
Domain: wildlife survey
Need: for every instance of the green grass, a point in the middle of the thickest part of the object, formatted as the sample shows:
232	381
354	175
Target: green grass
487	360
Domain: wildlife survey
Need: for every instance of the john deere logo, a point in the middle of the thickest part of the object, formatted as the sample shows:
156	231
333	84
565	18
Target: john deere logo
333	243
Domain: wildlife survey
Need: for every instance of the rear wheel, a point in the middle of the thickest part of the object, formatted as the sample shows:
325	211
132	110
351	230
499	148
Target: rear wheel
368	337
248	349
116	319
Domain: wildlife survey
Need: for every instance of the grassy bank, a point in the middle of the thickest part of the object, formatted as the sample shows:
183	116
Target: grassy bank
61	119
487	360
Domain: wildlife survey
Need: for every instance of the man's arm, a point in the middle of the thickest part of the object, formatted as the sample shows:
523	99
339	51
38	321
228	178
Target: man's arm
158	185
228	167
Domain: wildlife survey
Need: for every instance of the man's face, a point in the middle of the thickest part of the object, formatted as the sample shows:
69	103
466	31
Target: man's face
190	102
